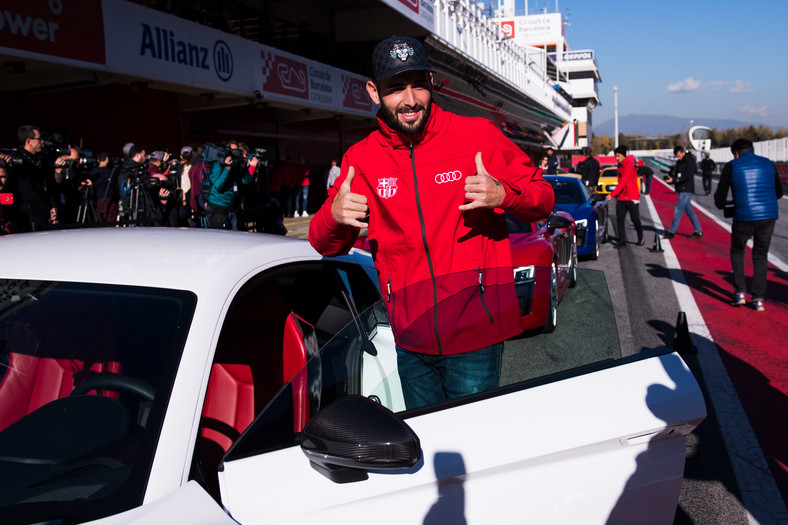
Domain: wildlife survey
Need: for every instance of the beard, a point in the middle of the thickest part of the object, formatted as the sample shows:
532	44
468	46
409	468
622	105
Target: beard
389	116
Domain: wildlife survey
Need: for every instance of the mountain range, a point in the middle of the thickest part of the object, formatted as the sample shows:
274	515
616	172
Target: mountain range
653	125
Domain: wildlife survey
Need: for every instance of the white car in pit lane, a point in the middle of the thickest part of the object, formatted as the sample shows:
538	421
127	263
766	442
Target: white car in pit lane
243	378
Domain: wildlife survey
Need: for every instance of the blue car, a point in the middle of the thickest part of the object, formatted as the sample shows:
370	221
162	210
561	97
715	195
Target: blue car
587	208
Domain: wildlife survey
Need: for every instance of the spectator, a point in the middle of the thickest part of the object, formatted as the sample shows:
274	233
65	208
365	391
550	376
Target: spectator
755	184
333	174
543	164
588	169
552	162
102	178
429	182
684	179
302	189
627	195
707	167
646	174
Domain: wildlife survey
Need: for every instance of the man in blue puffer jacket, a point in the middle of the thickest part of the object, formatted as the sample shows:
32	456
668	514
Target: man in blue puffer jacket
756	187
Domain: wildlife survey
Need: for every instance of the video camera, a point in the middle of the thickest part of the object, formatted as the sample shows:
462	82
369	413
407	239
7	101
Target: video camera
671	172
215	153
260	154
85	160
16	159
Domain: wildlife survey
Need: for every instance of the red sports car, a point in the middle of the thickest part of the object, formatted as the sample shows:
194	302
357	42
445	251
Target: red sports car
544	255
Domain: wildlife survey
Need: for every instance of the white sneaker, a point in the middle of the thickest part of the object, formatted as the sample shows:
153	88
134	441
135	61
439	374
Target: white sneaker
296	214
305	214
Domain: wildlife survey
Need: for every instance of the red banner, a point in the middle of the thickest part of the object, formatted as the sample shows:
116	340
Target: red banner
56	28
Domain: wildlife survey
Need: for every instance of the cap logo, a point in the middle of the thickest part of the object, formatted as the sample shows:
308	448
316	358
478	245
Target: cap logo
401	50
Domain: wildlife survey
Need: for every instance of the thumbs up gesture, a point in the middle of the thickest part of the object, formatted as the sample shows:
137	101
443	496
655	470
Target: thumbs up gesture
349	208
482	189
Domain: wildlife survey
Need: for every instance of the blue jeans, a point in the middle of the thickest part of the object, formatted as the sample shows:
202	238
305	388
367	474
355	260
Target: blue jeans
429	379
684	205
302	198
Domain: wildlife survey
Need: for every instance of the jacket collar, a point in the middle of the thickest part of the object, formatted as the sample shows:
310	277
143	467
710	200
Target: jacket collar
401	140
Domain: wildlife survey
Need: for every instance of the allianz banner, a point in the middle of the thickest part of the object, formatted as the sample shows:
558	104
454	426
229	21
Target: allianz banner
151	45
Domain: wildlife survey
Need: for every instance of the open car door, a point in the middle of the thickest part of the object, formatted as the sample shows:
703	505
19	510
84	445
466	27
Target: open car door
601	440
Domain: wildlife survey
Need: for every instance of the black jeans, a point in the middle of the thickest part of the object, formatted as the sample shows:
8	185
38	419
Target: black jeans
707	182
633	207
761	233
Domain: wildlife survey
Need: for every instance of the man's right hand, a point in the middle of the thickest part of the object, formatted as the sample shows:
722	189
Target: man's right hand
349	208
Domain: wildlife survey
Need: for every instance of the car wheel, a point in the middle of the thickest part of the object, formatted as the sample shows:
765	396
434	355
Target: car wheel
573	268
552	314
597	242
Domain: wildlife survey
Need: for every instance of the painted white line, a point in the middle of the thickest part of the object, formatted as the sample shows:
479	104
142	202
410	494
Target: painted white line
773	259
759	492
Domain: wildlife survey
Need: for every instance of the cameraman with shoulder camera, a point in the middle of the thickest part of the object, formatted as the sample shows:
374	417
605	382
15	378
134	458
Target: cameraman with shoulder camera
224	178
32	181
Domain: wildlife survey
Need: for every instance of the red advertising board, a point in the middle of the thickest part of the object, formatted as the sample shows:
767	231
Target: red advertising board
354	93
413	5
284	76
56	28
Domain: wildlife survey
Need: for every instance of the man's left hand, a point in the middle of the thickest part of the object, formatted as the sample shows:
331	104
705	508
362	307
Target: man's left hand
482	189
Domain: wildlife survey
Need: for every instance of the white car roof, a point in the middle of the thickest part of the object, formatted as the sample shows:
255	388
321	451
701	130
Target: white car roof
177	258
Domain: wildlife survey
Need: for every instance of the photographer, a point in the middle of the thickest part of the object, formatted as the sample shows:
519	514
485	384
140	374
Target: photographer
141	192
32	181
166	175
224	180
683	176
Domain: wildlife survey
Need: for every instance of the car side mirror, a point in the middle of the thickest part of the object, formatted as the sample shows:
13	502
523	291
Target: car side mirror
556	221
353	435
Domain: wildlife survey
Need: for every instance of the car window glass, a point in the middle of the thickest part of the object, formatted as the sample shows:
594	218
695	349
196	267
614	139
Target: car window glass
85	379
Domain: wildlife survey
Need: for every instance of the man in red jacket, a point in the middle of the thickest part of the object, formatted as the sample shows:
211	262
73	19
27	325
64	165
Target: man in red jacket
627	193
432	187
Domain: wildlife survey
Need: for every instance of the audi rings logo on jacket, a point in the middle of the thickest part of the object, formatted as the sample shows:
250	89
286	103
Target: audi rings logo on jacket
451	176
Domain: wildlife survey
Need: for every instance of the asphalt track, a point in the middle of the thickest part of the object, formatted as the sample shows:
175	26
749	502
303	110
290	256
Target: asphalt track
736	459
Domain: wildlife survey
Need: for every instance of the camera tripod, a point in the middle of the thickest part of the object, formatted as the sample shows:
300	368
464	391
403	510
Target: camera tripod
140	205
86	214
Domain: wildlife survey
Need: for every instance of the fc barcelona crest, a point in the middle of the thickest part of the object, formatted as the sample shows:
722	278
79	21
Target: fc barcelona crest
401	50
387	187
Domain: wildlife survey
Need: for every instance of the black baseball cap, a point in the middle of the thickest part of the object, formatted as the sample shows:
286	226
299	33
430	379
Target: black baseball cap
396	55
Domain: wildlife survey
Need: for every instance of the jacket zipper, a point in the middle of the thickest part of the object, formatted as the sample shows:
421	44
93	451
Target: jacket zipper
481	295
393	303
426	247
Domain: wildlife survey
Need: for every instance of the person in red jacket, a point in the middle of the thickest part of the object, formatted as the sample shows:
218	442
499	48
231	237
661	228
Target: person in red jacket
432	187
627	195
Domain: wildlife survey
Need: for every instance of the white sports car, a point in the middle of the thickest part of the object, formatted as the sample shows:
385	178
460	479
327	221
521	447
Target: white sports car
196	376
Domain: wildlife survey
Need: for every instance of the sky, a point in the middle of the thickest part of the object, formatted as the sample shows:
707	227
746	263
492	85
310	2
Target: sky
692	59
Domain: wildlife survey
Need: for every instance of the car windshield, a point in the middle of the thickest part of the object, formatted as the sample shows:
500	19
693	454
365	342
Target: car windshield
567	192
57	340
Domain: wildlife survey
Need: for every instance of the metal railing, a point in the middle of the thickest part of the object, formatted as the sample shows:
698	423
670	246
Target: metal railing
465	27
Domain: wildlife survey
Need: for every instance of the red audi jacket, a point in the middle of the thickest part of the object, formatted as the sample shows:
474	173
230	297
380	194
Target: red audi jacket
446	275
628	188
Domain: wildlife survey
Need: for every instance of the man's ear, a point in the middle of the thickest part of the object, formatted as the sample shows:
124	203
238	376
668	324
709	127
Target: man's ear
372	89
